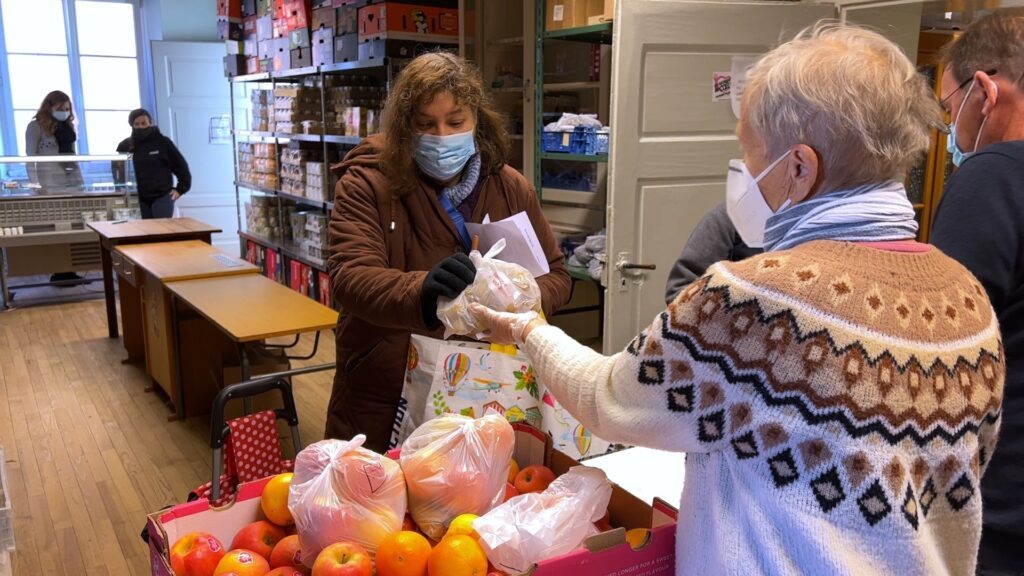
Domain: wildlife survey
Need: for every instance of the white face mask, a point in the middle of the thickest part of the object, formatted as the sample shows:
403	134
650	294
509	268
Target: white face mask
61	115
745	203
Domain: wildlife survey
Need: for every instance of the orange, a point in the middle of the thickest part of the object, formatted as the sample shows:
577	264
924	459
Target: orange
274	499
637	537
457	556
463	524
403	553
513	470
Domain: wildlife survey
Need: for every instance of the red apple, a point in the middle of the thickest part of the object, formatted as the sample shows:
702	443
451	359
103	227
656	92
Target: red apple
510	491
343	559
534	478
260	537
286	571
287	553
196	554
242	562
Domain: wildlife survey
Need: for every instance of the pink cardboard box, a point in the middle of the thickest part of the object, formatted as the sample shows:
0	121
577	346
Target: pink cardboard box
602	555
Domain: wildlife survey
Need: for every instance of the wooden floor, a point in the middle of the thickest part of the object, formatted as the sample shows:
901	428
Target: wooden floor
88	452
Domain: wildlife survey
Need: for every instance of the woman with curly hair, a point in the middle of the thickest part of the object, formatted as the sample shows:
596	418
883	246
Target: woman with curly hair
398	232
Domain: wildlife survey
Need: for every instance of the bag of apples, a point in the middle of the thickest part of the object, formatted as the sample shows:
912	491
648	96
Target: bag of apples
456	465
344	492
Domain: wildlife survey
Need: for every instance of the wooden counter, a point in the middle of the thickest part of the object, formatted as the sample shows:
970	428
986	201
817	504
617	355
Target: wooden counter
250	308
146	309
121	232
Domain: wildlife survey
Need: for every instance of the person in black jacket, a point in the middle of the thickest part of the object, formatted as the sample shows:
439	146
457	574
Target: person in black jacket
980	223
714	239
156	160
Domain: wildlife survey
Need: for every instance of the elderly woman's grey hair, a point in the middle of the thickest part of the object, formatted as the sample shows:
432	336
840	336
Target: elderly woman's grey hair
852	96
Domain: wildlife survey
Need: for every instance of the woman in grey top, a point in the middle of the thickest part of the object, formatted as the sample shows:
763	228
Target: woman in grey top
51	132
52	129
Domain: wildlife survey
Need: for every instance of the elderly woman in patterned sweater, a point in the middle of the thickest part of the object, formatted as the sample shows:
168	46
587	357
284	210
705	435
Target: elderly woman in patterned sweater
838	396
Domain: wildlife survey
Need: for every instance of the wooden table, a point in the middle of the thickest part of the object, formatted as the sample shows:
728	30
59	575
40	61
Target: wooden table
115	233
250	308
146	315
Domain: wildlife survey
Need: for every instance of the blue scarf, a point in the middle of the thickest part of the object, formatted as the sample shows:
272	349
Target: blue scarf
470	176
452	197
869	213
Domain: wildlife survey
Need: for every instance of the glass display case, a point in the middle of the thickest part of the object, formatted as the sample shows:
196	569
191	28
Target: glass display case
45	203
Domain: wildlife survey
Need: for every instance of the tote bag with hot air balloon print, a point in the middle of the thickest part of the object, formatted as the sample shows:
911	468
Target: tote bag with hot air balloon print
471	381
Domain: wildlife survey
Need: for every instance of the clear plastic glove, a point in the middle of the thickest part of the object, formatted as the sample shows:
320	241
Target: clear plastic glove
533	527
505	327
498	285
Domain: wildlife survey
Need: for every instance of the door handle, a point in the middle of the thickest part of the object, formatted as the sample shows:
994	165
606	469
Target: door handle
631	266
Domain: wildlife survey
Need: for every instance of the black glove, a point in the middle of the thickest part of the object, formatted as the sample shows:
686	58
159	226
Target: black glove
448	278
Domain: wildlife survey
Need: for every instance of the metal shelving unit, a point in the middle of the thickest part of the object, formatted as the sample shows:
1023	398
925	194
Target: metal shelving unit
293	250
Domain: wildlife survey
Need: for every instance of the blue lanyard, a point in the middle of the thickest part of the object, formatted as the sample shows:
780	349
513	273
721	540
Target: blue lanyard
458	220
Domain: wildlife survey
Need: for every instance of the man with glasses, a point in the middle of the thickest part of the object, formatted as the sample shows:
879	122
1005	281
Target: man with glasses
980	223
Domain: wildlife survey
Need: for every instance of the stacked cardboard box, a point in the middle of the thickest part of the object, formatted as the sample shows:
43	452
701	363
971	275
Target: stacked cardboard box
294	105
262	109
320	181
353	106
294	160
317	240
257	164
261	216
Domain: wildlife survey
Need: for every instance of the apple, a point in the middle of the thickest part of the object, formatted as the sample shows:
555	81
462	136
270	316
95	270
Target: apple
287	552
343	559
286	571
510	491
242	562
196	554
534	478
260	537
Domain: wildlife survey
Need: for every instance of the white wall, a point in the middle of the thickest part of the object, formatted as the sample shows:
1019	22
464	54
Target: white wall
181	20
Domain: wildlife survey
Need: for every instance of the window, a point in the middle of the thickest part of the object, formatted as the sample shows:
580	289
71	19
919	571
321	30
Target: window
85	48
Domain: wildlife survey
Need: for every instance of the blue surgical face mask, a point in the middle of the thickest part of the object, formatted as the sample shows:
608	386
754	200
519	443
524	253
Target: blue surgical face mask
61	115
443	157
951	145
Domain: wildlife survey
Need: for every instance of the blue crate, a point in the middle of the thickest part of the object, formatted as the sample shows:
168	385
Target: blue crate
601	142
557	141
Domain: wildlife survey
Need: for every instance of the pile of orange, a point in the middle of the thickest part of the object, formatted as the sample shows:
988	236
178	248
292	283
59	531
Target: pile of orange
408	553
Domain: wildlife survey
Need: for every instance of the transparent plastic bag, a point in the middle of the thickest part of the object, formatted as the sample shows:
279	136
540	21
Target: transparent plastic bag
456	465
498	285
533	527
342	491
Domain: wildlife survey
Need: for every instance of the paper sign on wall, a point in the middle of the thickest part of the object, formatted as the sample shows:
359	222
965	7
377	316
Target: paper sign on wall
740	65
721	86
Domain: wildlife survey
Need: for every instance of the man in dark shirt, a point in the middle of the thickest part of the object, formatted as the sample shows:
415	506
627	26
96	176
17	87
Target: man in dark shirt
980	222
714	239
156	160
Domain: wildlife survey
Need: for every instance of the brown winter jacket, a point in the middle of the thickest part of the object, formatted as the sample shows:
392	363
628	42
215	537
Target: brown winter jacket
382	246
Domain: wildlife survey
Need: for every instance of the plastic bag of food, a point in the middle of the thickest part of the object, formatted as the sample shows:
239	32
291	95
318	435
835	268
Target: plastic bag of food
342	491
498	285
456	465
533	527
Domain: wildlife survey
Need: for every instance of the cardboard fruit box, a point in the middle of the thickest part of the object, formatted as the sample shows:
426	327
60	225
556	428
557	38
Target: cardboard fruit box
603	554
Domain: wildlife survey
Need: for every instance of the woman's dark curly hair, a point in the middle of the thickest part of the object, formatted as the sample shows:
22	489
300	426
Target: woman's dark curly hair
419	83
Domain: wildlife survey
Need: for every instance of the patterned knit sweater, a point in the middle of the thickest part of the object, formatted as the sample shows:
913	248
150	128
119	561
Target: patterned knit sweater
838	405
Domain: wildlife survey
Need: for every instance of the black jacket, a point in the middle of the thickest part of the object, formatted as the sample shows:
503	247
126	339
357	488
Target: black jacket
980	223
156	159
714	239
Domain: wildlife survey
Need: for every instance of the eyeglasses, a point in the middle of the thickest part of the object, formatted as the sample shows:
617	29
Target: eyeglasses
963	85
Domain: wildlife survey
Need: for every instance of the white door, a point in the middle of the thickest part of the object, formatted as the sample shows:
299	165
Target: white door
671	141
192	100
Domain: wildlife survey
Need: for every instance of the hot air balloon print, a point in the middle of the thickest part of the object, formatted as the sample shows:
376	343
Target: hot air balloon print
456	365
582	438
